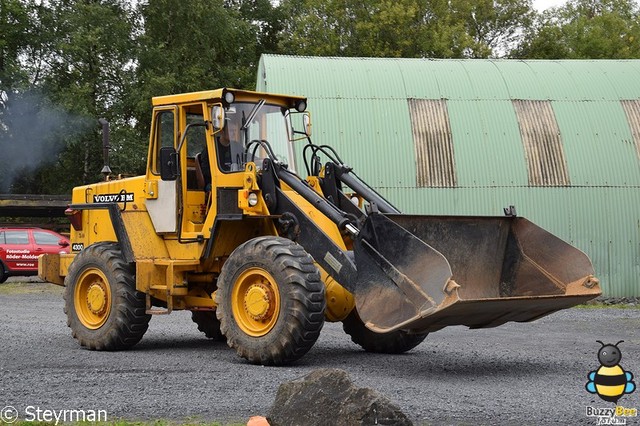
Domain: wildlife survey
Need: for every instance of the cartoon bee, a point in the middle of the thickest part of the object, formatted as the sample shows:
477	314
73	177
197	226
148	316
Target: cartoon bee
610	381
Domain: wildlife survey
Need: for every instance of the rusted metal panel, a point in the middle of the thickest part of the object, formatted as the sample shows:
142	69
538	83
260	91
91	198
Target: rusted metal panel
632	109
540	134
435	163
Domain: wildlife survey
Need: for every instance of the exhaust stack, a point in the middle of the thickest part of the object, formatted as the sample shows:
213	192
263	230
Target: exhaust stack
106	170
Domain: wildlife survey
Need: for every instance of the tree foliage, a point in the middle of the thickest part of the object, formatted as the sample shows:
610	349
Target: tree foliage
15	36
403	28
585	29
201	44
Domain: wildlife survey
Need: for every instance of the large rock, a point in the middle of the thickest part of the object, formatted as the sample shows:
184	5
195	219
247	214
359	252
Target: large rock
329	397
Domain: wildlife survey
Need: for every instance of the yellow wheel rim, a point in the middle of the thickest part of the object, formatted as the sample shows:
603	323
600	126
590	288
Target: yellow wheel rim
92	298
255	302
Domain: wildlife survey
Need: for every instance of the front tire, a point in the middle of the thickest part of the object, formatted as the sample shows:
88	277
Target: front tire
104	310
395	342
270	301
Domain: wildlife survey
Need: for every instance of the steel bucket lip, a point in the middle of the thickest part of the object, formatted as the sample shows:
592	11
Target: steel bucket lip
453	301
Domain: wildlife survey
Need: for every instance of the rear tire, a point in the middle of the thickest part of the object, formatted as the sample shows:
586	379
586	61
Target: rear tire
395	342
270	301
104	310
208	324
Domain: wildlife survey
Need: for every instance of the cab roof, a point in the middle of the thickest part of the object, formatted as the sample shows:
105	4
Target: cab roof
217	95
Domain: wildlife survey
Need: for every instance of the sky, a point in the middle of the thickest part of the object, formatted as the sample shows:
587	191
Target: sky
541	5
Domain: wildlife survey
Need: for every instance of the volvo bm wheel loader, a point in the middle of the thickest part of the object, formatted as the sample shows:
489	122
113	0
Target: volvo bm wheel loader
223	225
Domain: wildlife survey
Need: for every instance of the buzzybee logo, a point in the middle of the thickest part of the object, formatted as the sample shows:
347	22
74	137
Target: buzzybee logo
610	382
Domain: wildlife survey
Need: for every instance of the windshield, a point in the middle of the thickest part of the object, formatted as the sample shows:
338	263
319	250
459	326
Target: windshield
241	140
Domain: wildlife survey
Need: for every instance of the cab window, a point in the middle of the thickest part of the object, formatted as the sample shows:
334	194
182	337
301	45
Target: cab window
164	134
198	170
197	136
241	141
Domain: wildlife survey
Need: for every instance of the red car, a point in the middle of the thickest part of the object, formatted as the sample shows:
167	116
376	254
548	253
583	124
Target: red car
20	248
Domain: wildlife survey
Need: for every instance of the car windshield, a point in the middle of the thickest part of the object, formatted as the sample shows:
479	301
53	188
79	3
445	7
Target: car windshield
242	140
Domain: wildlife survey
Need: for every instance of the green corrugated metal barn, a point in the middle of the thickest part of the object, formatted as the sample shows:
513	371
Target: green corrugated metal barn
560	140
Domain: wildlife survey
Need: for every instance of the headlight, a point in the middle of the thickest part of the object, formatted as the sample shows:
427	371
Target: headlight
253	199
301	105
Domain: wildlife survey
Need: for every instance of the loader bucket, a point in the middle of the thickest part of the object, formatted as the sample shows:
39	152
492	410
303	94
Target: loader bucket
423	273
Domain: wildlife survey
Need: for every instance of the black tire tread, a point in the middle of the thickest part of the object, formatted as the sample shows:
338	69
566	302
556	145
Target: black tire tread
128	321
3	273
395	342
208	323
302	306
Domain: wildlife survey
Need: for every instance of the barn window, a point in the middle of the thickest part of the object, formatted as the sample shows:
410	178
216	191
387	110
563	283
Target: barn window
543	148
632	109
432	143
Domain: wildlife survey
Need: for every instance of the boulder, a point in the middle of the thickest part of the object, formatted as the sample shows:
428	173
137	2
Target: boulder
329	397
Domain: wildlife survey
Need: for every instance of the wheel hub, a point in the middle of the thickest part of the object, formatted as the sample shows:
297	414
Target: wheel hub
258	302
255	302
97	298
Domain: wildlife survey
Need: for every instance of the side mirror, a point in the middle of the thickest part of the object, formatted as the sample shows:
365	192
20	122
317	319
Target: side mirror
298	123
217	117
168	163
63	243
306	123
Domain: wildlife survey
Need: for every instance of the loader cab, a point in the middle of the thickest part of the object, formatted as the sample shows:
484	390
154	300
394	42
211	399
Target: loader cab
200	145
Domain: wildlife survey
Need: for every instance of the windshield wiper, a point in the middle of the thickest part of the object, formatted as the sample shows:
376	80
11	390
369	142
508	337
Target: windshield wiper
252	114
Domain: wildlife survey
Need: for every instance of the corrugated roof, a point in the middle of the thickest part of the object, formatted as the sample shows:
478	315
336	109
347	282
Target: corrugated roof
454	79
361	106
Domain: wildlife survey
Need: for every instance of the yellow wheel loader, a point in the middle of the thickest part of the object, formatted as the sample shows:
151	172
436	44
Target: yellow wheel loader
222	224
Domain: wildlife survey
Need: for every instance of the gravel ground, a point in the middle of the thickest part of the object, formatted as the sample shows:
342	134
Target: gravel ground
524	374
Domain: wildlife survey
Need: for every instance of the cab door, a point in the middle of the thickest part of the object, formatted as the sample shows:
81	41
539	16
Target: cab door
195	165
161	194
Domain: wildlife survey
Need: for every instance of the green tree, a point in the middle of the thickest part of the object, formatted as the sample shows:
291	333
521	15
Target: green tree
91	74
14	28
190	46
265	21
495	26
402	28
351	28
27	121
581	29
78	64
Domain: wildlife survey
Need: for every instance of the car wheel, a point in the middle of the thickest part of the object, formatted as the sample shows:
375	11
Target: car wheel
3	273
